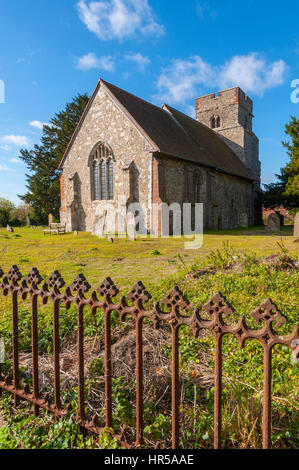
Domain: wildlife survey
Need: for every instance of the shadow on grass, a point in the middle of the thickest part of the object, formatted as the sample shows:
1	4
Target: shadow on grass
254	231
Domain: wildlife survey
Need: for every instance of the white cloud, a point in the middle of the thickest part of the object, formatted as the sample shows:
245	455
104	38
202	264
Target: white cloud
91	61
3	167
119	19
17	140
186	78
139	59
204	10
252	73
39	125
179	81
5	147
15	160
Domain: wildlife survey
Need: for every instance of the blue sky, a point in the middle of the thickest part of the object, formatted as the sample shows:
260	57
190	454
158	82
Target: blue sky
170	50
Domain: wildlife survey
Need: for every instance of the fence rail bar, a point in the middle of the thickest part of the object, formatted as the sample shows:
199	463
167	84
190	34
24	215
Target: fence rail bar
170	311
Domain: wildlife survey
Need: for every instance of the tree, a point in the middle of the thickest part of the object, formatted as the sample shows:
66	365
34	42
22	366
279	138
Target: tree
6	207
42	161
286	190
292	168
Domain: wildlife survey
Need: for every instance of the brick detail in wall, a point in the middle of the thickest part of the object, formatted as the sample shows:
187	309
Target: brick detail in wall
62	193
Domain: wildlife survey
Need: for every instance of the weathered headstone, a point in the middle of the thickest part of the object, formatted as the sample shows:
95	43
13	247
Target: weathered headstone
273	223
131	227
50	219
244	220
75	232
9	229
99	223
28	222
110	240
296	226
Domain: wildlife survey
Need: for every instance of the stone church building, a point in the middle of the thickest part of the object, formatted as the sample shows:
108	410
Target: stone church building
126	147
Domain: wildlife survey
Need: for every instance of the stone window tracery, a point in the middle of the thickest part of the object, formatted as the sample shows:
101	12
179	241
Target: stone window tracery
102	173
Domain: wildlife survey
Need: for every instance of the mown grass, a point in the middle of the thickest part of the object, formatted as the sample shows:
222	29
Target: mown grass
160	264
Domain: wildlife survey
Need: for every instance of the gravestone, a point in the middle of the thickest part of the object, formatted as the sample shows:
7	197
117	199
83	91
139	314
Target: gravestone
9	229
28	223
131	227
244	220
273	223
50	219
99	223
296	226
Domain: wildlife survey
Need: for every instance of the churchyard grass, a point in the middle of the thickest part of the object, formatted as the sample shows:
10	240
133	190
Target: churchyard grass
160	263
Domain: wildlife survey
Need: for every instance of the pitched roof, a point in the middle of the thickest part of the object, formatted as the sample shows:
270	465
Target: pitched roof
175	134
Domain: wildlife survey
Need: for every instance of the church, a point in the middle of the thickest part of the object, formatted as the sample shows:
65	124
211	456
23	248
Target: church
125	147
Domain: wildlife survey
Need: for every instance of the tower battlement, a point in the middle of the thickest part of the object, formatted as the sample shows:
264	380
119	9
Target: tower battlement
229	113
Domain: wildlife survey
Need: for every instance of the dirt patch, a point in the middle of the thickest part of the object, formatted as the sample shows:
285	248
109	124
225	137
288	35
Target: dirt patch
281	262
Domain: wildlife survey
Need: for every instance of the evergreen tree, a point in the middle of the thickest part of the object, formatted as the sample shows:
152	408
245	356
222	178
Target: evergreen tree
286	190
43	160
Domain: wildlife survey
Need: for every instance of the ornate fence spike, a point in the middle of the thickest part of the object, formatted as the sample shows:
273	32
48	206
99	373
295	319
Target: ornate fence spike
175	300
55	281
14	275
218	305
139	293
269	313
80	284
34	278
108	288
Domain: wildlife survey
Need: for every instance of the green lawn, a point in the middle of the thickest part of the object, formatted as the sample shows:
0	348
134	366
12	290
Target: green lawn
124	261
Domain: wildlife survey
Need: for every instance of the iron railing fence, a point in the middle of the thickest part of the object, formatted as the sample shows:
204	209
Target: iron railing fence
171	311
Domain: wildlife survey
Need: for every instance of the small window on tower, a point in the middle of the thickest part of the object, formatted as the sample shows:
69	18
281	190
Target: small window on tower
218	122
213	123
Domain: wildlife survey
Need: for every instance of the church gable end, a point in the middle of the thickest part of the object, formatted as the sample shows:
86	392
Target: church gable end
105	144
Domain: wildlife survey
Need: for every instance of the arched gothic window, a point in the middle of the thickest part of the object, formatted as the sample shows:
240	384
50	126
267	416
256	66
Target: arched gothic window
101	165
197	186
215	122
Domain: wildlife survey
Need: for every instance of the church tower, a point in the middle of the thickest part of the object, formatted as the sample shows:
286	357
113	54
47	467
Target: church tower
230	115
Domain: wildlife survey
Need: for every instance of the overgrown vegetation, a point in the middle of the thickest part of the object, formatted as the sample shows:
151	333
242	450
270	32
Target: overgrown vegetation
285	191
246	276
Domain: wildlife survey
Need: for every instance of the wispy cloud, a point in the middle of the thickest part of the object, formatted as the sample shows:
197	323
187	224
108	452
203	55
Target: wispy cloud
16	140
183	79
205	11
15	160
119	19
3	167
5	147
91	61
138	59
38	125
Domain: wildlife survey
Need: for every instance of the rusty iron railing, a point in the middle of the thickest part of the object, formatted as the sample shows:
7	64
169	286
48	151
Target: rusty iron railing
175	303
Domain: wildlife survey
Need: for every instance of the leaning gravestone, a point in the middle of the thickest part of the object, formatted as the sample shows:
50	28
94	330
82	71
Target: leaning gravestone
273	223
28	223
50	219
131	227
296	226
99	223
